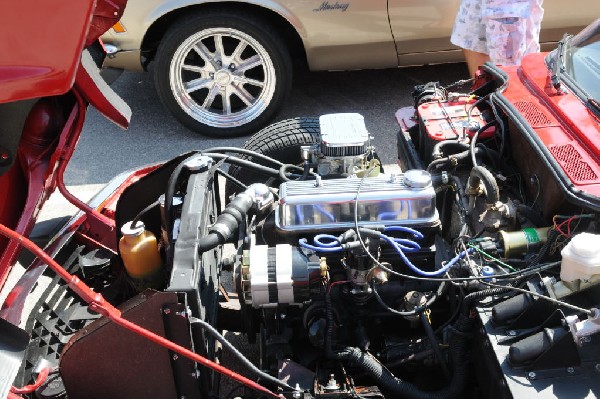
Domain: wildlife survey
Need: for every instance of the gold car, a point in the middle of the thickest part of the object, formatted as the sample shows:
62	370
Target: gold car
223	68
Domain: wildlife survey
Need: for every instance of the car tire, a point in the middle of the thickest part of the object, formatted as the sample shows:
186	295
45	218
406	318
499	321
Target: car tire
222	74
282	141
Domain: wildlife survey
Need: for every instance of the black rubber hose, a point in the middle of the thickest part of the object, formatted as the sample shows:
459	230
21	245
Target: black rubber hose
474	140
458	158
141	213
210	241
229	346
462	202
434	343
283	170
227	223
492	155
274	172
481	174
453	144
255	155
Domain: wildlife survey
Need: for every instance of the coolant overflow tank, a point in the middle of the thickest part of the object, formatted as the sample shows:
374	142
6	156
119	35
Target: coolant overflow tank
580	258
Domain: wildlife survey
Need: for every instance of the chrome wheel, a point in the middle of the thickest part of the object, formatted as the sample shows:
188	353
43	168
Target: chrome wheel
222	77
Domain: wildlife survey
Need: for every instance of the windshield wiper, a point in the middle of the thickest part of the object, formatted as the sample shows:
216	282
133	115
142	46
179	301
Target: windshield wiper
559	63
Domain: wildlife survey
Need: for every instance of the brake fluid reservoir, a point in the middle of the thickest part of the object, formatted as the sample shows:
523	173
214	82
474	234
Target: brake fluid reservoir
139	251
580	258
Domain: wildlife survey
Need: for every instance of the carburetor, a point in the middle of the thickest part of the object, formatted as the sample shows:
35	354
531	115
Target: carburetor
345	147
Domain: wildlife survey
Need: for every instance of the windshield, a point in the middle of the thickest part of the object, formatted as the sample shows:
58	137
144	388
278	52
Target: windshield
581	59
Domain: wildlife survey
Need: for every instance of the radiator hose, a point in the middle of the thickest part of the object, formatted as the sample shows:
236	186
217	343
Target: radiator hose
229	220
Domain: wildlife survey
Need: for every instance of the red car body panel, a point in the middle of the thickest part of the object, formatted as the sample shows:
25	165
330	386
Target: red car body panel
560	119
41	61
40	53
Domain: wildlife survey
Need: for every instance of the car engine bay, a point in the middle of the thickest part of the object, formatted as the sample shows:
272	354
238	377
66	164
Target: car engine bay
468	273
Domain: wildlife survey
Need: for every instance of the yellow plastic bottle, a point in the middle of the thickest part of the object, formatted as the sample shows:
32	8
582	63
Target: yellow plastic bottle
139	252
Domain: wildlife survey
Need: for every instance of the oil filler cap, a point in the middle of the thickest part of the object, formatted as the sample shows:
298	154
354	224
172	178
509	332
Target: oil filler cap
416	178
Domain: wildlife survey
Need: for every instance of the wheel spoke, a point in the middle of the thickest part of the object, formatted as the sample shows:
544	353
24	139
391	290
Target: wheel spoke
226	101
237	53
192	68
205	54
243	94
210	98
246	80
197	84
219	49
249	63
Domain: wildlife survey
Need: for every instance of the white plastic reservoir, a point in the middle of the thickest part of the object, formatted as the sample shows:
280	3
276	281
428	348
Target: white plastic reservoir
581	258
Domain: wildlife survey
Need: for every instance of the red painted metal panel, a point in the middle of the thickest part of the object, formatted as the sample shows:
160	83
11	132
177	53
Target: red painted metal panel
41	45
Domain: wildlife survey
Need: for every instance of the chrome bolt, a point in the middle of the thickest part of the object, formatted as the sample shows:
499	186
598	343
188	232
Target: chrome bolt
531	375
211	75
232	67
219	63
570	370
318	182
175	357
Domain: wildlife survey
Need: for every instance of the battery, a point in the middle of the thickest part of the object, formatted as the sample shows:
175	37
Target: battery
450	120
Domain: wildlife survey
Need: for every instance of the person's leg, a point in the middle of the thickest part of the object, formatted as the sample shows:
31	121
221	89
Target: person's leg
534	23
470	35
474	60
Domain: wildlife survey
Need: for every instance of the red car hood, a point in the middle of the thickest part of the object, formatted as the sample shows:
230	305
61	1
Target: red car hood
45	86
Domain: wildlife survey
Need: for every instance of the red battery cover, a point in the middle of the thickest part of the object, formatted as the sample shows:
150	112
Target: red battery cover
445	120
